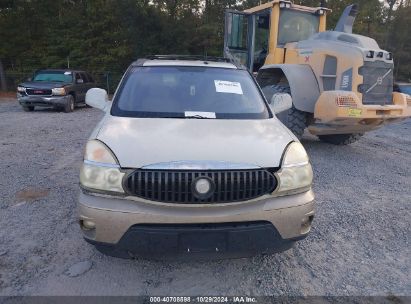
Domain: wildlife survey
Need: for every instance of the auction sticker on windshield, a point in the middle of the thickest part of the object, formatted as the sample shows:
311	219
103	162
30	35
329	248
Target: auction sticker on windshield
200	114
222	86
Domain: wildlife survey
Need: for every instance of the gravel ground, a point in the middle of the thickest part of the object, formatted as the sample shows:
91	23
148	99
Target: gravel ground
359	245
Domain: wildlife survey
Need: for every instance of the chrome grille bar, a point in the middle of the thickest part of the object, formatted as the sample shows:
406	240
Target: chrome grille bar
171	186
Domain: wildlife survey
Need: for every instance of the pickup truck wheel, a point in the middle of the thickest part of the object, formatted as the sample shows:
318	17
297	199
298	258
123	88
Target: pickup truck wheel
69	106
293	119
28	108
340	139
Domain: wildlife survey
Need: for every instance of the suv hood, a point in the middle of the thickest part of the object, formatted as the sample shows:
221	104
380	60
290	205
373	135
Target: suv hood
139	142
43	84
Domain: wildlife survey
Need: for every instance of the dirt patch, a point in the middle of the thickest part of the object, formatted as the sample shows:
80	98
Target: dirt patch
7	95
30	195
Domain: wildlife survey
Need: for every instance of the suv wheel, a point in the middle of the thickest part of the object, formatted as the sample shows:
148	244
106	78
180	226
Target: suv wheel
69	107
28	108
340	139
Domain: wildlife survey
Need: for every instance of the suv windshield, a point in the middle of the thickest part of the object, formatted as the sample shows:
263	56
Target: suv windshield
54	76
198	92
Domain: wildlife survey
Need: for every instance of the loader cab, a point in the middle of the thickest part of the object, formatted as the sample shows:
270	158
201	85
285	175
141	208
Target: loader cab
258	36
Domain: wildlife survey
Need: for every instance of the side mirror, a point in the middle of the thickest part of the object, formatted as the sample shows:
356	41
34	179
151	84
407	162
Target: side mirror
80	81
29	79
97	98
280	102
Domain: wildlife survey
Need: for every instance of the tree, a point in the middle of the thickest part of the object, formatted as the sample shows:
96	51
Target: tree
400	42
106	35
3	85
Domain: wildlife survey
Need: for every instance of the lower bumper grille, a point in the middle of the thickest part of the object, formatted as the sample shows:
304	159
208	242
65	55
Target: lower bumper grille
197	241
171	186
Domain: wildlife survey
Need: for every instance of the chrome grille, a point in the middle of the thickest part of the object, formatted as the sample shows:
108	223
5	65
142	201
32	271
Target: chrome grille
379	87
38	92
172	186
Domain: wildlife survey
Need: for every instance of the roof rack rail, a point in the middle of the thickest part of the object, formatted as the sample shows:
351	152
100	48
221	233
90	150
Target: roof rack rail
187	57
190	57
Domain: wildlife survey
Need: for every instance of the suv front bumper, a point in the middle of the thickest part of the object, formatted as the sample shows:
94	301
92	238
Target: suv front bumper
342	112
44	101
135	227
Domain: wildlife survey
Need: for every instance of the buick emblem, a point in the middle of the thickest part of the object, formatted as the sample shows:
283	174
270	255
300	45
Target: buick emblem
379	80
203	187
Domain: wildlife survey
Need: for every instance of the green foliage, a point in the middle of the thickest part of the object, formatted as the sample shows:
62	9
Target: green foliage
106	35
400	42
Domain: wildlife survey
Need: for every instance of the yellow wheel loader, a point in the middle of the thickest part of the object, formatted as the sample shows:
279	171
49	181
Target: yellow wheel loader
341	84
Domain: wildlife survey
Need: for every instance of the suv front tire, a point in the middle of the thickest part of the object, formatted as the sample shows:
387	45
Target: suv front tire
69	106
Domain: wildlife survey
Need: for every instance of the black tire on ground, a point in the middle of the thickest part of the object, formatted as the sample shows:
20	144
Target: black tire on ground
69	106
340	139
28	108
293	119
296	121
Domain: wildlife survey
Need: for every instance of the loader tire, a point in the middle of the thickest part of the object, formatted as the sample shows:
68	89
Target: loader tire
340	139
296	122
293	119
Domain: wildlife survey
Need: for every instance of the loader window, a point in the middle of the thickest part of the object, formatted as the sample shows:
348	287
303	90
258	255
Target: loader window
237	31
296	26
262	33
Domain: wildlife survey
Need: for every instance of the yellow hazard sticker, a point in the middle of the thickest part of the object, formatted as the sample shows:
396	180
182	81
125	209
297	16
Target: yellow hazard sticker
354	112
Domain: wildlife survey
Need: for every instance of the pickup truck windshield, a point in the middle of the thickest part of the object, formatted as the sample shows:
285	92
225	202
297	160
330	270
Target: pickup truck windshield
189	92
54	76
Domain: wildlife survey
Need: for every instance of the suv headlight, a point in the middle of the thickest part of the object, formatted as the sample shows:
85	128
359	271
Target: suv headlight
296	174
58	91
100	170
21	89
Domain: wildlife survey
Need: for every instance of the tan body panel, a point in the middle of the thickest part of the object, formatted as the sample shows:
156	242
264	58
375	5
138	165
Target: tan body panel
114	216
276	54
348	58
340	119
341	112
261	141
